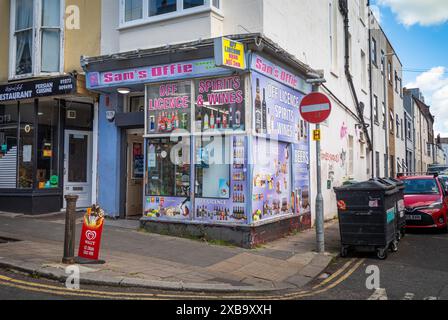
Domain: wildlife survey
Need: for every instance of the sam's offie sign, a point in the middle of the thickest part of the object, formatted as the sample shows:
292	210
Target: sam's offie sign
37	89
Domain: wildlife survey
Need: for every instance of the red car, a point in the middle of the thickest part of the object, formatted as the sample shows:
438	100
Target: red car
426	202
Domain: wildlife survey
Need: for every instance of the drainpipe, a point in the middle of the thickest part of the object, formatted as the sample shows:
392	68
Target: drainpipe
386	120
343	8
371	92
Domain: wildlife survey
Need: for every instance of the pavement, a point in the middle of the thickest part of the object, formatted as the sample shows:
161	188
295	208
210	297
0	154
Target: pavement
142	260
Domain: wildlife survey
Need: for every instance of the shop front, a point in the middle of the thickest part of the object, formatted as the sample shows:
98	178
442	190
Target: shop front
226	153
45	145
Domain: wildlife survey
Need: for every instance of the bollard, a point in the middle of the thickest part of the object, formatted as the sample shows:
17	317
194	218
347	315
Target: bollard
70	230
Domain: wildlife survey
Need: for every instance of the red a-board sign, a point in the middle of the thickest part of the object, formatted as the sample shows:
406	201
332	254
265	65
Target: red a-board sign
92	230
315	107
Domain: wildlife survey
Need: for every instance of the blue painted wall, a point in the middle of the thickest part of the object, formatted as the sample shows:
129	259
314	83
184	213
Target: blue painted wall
109	158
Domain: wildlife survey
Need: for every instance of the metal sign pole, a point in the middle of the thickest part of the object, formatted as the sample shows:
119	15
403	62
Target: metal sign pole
319	201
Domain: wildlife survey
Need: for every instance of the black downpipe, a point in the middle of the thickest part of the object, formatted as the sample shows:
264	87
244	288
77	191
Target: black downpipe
343	8
371	91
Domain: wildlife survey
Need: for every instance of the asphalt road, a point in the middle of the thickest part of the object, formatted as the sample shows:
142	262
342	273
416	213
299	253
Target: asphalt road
419	271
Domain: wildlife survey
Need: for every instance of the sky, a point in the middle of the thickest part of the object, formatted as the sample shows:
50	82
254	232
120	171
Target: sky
418	31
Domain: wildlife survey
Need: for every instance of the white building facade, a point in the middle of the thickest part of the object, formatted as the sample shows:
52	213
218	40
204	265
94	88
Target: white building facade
316	33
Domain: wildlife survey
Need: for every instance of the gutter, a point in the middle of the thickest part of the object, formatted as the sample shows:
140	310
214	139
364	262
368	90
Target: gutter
343	8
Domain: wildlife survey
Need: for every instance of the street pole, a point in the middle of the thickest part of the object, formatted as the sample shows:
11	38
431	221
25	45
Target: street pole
319	202
320	235
70	232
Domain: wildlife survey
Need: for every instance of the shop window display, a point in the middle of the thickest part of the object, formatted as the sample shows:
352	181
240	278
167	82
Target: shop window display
220	104
48	137
168	179
168	167
26	143
213	167
169	107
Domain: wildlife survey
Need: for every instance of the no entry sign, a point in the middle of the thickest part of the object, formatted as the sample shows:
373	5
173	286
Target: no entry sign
315	108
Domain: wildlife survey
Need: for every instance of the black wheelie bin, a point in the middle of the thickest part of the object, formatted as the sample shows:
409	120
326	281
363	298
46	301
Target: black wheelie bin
401	210
367	217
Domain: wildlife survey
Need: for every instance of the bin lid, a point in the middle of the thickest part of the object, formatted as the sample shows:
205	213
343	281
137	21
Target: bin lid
370	185
398	183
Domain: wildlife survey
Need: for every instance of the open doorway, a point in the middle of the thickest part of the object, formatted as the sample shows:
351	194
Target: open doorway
135	173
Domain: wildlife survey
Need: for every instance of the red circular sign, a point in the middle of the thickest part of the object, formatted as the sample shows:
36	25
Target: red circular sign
315	108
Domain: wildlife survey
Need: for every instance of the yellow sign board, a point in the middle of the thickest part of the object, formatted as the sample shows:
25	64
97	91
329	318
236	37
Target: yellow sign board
316	135
230	54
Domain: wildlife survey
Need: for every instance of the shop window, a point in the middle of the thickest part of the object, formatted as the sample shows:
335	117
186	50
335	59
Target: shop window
220	104
137	104
48	137
168	167
212	165
36	39
8	146
78	116
169	107
26	146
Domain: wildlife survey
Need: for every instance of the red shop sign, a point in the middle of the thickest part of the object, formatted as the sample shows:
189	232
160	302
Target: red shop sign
92	230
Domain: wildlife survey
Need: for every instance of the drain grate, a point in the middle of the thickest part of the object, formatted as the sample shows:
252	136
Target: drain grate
4	240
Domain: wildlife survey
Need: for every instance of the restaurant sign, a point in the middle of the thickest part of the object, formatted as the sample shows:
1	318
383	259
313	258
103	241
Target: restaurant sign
37	89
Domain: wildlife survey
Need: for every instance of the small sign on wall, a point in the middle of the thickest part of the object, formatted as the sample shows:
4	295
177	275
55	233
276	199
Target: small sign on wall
230	54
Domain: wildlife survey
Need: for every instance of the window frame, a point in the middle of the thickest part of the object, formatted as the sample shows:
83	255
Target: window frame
374	52
36	50
180	12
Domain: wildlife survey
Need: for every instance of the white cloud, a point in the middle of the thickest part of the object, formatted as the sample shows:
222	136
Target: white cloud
434	85
423	12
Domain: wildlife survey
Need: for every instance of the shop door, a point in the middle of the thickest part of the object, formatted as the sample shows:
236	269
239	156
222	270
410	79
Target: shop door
134	175
78	166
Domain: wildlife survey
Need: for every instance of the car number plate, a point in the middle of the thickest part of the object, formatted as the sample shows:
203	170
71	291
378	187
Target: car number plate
414	217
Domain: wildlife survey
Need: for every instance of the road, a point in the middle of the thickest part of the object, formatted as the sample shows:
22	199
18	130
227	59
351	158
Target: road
419	271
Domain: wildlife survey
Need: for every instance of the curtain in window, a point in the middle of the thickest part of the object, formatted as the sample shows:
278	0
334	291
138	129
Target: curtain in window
51	13
50	50
24	36
51	22
133	10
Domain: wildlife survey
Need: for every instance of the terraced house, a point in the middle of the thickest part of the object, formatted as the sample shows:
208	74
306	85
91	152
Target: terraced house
46	113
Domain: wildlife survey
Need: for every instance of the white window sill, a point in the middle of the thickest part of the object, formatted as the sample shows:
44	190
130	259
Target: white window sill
168	16
38	75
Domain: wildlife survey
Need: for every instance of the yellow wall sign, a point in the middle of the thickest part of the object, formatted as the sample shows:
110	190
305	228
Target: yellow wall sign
230	54
316	135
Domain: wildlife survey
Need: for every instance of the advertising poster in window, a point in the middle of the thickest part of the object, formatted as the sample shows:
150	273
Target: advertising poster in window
221	180
138	161
220	105
169	108
271	183
276	110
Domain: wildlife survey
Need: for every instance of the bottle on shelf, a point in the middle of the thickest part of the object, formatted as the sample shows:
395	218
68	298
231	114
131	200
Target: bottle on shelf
206	123
212	121
199	122
237	119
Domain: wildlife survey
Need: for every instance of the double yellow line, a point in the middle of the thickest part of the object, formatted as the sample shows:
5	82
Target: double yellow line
335	279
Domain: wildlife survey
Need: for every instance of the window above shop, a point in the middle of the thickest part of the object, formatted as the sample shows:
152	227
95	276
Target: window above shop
137	12
36	44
